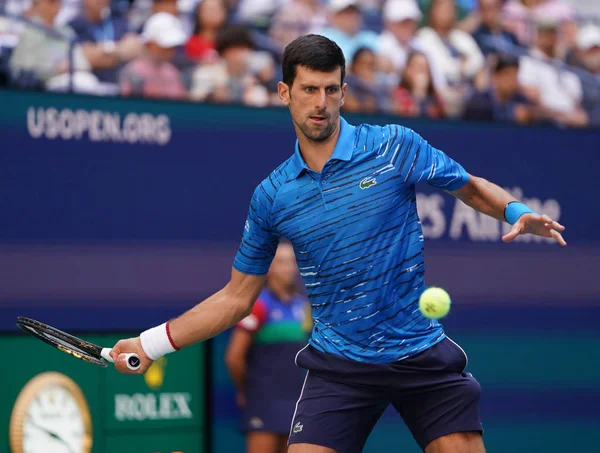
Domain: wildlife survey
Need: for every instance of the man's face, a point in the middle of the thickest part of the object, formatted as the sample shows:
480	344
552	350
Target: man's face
404	31
162	54
547	39
348	20
490	11
237	60
284	270
48	9
166	6
314	100
507	81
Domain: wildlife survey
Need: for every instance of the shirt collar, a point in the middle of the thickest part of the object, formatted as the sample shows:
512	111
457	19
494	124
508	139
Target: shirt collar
344	148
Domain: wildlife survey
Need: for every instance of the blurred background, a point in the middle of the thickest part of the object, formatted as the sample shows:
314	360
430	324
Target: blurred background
132	136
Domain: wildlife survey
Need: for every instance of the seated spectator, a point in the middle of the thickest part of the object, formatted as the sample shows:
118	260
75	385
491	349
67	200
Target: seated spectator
588	59
490	36
153	75
43	55
366	90
236	77
451	52
296	18
503	100
401	20
345	28
555	89
211	15
105	41
416	95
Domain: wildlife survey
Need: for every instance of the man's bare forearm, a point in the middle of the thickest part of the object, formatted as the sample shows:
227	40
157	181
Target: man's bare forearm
484	196
216	314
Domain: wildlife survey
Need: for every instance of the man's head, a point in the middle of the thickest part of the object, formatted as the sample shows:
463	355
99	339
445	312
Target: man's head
313	85
96	10
235	44
163	33
402	19
588	44
505	76
165	6
442	15
345	16
489	11
47	10
283	272
547	35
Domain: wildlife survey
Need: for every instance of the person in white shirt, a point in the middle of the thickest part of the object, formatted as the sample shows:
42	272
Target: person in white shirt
556	90
401	20
451	52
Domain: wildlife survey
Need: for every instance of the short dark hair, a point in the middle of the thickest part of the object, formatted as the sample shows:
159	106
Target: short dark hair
314	52
234	35
505	61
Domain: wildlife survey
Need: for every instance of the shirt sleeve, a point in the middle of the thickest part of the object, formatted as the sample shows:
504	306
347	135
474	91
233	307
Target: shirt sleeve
255	320
259	241
418	161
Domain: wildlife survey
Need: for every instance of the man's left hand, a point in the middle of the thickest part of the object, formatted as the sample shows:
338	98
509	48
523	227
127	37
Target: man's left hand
540	225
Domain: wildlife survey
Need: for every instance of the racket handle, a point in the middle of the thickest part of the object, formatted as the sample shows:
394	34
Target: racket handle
133	361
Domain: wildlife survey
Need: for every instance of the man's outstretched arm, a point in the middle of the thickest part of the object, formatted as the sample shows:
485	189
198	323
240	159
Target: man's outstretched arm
209	318
488	198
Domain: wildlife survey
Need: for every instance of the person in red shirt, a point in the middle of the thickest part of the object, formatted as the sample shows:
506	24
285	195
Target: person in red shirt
416	95
211	15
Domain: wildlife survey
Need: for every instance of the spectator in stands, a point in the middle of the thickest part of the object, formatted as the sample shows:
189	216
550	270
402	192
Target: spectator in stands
491	36
296	18
503	101
105	41
401	20
237	77
345	19
165	6
367	90
556	90
260	356
452	52
153	75
256	13
416	94
39	55
211	16
588	58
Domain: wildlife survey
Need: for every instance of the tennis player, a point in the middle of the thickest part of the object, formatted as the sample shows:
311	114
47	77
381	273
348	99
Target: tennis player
260	357
346	200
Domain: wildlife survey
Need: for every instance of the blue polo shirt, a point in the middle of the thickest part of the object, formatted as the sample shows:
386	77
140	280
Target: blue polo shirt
357	238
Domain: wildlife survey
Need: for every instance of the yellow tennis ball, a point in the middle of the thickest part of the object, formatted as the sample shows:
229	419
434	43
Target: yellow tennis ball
434	303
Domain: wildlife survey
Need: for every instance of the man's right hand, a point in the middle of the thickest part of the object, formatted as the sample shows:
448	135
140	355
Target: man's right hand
131	345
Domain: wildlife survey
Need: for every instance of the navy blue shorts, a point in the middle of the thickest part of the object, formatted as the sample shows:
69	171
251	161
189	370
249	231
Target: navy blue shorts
268	416
341	400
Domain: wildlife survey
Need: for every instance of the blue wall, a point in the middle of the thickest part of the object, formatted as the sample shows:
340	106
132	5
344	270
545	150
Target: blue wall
108	206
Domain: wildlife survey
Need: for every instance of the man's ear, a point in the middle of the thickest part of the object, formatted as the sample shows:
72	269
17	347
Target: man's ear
284	93
343	99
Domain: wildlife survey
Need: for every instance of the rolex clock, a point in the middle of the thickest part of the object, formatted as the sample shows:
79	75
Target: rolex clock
50	415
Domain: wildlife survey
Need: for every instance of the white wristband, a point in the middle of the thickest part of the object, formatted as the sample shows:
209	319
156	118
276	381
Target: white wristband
155	342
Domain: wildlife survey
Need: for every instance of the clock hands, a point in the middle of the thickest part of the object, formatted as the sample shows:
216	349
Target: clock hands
51	434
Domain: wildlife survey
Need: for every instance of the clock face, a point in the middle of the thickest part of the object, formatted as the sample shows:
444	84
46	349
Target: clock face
53	423
51	416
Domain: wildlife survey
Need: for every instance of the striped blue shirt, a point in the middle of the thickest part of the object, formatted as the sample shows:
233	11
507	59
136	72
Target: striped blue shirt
357	238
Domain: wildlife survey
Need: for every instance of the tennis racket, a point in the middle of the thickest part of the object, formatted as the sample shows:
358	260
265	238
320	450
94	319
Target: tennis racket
72	345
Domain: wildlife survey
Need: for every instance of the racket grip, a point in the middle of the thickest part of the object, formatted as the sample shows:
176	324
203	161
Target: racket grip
133	361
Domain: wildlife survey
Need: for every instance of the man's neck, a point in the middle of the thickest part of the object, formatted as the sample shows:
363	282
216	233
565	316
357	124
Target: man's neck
316	154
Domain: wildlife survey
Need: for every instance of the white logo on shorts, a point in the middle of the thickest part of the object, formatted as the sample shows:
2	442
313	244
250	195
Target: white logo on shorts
298	427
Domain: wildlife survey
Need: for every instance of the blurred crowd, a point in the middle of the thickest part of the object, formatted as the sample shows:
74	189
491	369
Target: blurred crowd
519	61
